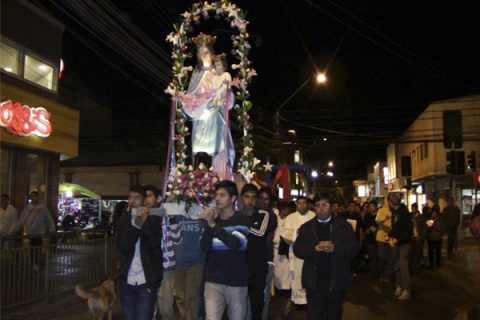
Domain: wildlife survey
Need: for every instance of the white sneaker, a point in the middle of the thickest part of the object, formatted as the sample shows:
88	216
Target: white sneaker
405	295
398	291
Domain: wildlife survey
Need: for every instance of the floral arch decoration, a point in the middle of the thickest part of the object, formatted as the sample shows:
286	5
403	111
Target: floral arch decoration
243	75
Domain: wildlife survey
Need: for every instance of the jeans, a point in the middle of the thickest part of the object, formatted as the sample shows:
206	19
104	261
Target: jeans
324	303
165	295
137	302
402	273
218	295
385	260
188	292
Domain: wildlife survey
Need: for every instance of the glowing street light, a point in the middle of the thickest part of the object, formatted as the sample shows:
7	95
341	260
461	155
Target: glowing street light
330	174
314	174
321	78
330	164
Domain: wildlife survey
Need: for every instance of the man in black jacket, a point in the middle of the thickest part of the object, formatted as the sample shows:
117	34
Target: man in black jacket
327	245
452	217
401	235
139	238
369	228
263	223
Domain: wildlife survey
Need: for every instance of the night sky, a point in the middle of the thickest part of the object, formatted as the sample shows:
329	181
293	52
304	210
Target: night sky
385	61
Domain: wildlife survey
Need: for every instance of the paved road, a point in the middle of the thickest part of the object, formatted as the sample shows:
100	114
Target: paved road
439	294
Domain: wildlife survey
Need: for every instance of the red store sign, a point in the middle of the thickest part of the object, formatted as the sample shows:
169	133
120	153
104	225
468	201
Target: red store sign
23	120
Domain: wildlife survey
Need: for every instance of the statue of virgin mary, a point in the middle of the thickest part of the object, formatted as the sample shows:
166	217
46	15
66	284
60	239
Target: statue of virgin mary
206	102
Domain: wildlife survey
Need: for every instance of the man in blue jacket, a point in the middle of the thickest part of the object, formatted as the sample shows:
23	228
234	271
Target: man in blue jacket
225	241
327	245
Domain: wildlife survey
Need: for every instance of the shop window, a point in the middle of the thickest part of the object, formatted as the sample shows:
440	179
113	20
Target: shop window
5	171
37	174
39	72
9	58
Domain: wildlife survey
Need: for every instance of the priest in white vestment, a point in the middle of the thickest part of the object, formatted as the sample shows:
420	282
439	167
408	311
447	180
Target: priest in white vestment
290	230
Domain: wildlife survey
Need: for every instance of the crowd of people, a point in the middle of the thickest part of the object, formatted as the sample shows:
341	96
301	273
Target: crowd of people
227	260
230	258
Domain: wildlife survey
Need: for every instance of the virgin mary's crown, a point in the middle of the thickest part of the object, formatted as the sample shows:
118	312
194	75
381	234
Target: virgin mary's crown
203	39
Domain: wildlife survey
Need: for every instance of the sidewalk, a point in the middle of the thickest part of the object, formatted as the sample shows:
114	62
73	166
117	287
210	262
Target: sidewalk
439	294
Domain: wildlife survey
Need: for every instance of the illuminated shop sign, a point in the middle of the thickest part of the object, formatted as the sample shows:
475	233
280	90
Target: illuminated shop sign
23	120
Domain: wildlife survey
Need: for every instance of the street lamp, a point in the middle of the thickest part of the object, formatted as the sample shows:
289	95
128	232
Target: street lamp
314	174
330	164
321	78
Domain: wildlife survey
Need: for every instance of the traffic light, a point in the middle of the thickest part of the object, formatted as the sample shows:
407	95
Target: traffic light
452	129
406	166
472	160
456	162
477	180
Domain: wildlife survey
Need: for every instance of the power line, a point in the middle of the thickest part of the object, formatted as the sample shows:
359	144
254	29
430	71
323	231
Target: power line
343	133
103	26
398	55
382	35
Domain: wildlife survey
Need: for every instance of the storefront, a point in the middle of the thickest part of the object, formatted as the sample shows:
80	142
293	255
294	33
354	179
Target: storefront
36	133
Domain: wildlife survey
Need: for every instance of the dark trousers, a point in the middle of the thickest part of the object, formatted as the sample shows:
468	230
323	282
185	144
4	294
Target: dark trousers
385	260
256	293
137	302
324	304
452	239
435	252
416	254
36	250
371	249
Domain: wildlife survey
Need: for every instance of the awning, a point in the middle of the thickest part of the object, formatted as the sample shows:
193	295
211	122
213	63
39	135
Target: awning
77	190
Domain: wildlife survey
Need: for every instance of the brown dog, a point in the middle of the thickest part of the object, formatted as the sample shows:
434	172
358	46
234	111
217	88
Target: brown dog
100	299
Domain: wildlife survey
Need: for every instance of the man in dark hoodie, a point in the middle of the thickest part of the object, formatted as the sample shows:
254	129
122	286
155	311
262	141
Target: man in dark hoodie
327	245
401	235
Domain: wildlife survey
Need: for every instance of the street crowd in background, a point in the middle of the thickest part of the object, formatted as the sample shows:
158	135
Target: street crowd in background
249	246
311	249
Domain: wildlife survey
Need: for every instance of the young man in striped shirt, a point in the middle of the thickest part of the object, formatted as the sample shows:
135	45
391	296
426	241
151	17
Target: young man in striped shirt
170	237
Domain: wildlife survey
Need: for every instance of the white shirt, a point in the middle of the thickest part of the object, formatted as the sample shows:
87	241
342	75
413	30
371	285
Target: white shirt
136	275
8	219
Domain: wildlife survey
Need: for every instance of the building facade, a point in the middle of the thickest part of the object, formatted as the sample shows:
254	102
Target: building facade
423	143
36	131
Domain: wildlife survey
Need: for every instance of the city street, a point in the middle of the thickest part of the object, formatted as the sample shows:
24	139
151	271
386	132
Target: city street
438	294
137	137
